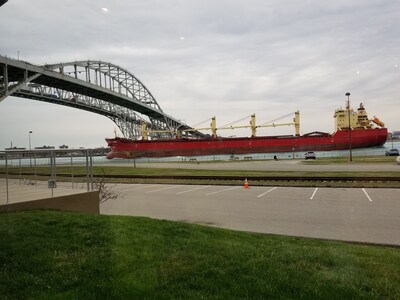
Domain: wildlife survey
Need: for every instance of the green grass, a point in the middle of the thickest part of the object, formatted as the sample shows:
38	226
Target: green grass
356	160
129	170
56	255
63	174
148	171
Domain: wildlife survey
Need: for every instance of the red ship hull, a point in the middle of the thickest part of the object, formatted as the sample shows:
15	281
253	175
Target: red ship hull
360	138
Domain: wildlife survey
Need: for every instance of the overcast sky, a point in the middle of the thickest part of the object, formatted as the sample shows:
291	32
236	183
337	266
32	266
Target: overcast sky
204	58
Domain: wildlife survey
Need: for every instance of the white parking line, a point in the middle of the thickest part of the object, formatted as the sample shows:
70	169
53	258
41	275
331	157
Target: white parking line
195	189
164	189
235	187
267	192
315	191
128	188
366	194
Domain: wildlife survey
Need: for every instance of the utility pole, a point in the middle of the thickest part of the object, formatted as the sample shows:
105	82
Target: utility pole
348	112
30	148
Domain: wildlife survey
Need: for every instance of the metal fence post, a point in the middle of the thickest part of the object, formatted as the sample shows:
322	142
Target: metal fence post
34	161
5	155
53	172
72	172
91	169
87	170
20	176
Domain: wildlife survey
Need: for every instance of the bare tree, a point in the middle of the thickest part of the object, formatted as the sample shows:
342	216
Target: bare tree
105	190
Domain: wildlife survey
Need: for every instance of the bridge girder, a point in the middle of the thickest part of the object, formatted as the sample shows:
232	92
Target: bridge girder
95	86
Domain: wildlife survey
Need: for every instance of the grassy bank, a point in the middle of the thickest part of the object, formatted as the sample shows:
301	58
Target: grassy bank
126	174
55	255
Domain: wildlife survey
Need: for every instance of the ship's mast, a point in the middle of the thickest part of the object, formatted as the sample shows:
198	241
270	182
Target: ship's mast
214	127
296	121
253	125
144	131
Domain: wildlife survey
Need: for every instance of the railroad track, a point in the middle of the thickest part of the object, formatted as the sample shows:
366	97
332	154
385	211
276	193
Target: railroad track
267	178
232	178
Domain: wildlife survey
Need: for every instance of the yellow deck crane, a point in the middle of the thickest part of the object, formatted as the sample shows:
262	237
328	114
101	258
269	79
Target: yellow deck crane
214	128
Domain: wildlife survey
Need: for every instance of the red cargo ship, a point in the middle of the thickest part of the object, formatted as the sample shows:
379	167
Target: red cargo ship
361	133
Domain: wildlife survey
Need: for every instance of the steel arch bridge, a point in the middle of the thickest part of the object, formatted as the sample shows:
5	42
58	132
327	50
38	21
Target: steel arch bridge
95	86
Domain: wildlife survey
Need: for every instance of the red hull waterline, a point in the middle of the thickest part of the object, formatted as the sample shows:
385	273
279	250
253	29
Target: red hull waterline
360	138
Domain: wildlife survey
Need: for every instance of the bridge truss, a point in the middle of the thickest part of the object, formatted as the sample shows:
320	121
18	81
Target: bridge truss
95	86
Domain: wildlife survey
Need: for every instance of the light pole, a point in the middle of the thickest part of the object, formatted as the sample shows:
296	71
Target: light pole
30	148
348	112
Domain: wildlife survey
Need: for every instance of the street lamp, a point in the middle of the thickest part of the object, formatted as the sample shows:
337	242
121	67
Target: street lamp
348	112
30	148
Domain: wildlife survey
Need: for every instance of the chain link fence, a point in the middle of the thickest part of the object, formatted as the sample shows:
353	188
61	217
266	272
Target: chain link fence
36	174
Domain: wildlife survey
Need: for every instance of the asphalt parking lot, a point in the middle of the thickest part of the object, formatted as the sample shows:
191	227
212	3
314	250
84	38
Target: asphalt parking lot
350	214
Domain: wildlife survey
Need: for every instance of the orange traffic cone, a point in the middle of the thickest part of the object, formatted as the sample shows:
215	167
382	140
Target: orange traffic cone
246	184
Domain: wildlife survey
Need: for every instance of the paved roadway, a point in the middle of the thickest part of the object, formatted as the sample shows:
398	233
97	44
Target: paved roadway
352	214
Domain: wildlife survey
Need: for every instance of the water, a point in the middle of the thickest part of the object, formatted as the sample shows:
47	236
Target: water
100	160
